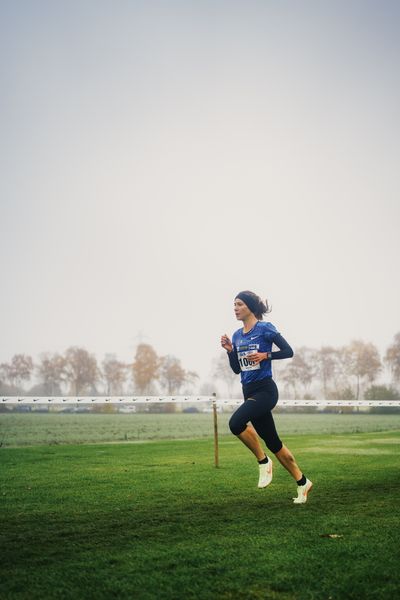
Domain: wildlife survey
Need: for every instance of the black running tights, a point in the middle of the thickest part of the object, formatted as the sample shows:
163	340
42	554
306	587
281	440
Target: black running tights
259	400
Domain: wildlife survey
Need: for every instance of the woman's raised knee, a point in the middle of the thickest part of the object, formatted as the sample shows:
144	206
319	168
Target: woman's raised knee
236	425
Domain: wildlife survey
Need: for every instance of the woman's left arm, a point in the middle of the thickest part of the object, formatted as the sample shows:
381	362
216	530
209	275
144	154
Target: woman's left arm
285	350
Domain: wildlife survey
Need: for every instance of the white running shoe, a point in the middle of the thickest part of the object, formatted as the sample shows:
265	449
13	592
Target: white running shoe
265	474
302	491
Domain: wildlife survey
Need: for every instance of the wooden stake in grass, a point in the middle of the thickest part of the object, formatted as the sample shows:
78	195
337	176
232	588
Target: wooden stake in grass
216	457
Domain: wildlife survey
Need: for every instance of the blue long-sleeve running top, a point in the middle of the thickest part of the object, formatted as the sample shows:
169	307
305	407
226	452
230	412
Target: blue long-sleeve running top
259	339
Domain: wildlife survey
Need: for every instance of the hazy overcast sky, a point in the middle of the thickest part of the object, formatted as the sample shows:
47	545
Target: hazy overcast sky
157	157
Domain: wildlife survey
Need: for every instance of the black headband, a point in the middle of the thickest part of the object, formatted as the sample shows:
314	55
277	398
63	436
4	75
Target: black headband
251	302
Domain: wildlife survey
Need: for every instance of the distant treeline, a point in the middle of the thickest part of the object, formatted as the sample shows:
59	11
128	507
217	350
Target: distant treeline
344	373
77	373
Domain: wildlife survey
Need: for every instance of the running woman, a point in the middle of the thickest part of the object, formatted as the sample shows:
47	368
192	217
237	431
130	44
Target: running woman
250	354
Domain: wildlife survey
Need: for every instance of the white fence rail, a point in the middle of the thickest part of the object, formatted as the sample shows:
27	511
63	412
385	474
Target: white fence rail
132	400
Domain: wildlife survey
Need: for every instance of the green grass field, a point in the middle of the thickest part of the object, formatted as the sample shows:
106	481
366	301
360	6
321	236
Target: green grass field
54	428
158	520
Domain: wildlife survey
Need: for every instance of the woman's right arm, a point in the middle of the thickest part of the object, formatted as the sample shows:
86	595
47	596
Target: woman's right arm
234	362
232	355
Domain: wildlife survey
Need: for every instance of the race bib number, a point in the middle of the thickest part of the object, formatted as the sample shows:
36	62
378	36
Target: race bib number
245	363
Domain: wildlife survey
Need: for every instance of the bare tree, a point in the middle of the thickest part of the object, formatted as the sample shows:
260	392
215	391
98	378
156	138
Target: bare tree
191	378
52	372
326	366
82	371
299	370
341	372
18	370
223	372
172	375
392	358
115	374
363	362
5	372
145	368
